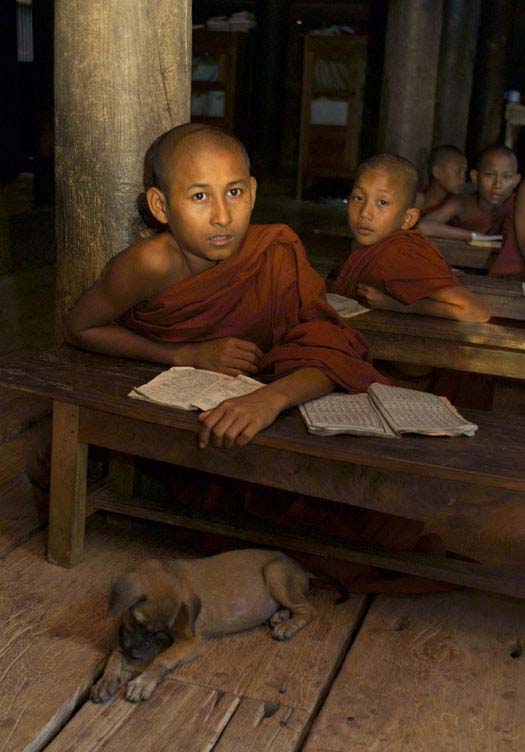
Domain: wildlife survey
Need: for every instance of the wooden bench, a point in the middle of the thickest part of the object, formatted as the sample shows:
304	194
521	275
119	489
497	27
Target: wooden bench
505	297
458	482
494	349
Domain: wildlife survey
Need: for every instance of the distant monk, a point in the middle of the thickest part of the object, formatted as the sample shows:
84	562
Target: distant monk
489	211
393	267
447	167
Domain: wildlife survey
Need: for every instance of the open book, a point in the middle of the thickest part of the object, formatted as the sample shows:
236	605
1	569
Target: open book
346	307
190	388
485	241
388	411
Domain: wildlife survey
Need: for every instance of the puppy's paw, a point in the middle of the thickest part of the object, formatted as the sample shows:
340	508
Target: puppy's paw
287	629
283	614
105	689
141	688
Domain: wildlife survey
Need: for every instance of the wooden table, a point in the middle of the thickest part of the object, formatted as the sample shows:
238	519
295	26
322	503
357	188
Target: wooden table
457	481
494	349
504	296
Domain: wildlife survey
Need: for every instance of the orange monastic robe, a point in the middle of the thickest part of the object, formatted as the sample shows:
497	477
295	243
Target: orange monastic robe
500	221
269	294
407	265
509	261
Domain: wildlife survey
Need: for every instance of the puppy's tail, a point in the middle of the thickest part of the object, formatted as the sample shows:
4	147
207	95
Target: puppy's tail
333	582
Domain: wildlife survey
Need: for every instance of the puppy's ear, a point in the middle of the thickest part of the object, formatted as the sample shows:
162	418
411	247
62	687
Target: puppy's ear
125	592
184	622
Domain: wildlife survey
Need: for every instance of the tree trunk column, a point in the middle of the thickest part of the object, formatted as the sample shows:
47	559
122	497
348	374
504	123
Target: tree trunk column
456	68
486	107
122	77
410	77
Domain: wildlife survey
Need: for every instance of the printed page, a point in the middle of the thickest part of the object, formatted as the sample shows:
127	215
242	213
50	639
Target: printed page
346	307
485	238
179	386
410	411
234	387
344	413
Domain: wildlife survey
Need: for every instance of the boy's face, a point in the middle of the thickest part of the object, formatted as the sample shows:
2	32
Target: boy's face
451	174
377	207
496	178
208	204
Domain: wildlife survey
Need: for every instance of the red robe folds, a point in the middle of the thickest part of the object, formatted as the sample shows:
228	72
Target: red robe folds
269	294
500	221
407	265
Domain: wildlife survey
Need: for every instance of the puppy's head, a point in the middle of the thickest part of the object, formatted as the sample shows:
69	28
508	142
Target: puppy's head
153	614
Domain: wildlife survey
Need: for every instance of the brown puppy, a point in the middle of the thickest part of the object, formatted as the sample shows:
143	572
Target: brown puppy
170	606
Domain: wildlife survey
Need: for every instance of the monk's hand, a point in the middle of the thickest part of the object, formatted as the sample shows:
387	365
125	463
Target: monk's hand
229	355
371	297
236	421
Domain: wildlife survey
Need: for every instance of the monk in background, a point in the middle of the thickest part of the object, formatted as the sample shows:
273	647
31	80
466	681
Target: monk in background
447	167
489	211
211	291
392	266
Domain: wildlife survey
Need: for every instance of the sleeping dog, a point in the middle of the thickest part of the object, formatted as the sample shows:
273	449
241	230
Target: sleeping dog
168	607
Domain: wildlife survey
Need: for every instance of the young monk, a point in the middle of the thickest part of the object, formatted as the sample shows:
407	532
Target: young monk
489	211
447	167
392	266
213	292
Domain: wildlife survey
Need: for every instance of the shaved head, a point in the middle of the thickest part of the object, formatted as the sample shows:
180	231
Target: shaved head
496	150
398	167
440	155
160	162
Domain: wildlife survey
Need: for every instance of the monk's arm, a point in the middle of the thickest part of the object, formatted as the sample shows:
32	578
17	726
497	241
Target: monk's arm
131	278
236	421
519	218
457	303
436	223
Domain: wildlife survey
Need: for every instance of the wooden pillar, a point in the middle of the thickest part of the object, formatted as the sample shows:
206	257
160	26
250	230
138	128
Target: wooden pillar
122	77
487	103
409	79
269	83
456	67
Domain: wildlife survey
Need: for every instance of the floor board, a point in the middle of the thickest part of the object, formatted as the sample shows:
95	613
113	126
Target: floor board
55	637
440	673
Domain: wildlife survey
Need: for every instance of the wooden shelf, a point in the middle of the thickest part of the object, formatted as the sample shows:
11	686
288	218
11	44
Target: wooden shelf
331	150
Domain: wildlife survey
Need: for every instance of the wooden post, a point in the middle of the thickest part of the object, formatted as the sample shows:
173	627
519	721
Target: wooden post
409	80
456	67
486	109
122	77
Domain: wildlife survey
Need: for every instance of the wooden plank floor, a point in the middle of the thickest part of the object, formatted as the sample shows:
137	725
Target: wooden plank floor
446	668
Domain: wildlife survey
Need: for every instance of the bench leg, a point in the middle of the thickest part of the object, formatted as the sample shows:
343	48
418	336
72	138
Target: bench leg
122	473
67	508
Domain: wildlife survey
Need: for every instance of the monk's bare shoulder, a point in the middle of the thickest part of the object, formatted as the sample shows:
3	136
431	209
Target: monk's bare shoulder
156	263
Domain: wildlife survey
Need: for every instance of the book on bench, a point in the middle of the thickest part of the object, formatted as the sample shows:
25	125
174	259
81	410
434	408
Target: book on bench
346	307
479	240
385	411
188	388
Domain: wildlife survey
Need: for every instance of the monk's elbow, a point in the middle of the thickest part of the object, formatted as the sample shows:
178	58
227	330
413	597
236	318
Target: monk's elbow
477	314
72	332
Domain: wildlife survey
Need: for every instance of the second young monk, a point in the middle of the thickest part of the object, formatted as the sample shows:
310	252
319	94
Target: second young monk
489	211
447	167
393	267
213	292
